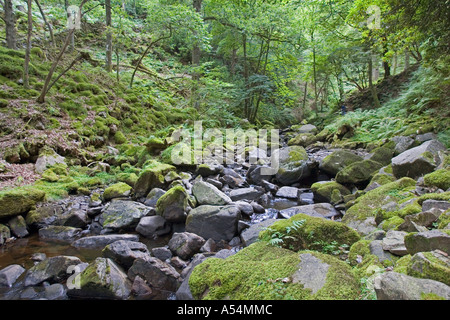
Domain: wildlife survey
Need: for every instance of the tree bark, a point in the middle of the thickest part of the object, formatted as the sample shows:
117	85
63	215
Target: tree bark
26	76
10	22
196	52
373	89
49	26
108	36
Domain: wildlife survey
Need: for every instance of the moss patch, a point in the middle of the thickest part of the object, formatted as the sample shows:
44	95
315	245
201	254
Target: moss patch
439	178
257	273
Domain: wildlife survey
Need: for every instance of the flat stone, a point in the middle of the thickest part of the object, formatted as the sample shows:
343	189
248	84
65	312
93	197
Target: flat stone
312	272
288	192
102	241
10	274
394	242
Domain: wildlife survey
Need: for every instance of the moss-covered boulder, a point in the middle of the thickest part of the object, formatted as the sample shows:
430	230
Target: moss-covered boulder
428	241
432	265
439	178
337	161
303	232
382	155
303	139
18	201
5	233
367	206
418	161
151	177
172	206
117	190
293	164
329	191
358	172
263	272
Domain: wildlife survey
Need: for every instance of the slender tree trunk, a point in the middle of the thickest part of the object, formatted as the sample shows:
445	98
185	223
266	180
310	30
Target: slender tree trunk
109	48
316	98
41	98
72	34
305	96
26	77
196	52
407	57
246	75
373	89
49	26
10	22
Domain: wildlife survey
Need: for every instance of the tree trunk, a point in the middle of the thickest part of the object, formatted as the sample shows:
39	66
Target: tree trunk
196	52
373	89
72	34
314	72
49	26
10	22
246	75
407	56
108	36
26	77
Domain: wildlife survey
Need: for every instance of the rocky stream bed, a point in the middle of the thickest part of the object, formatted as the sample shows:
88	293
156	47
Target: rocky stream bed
329	218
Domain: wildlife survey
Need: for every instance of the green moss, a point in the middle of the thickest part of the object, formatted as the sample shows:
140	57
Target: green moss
358	172
392	223
401	265
429	266
120	138
439	178
360	248
367	205
382	155
128	178
50	176
311	233
445	196
382	179
256	273
431	296
19	200
117	190
329	191
443	220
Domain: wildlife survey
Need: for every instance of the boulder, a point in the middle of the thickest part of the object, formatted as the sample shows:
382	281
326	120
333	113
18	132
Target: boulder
337	161
43	216
53	270
10	274
360	172
102	240
162	253
185	244
123	215
434	265
5	233
60	233
304	275
102	279
150	178
55	291
303	139
329	191
256	174
428	241
418	161
209	169
321	210
173	205
161	277
397	286
124	252
216	222
246	194
402	144
18	201
76	218
47	160
288	192
153	197
117	190
206	193
394	242
293	164
153	226
18	226
307	128
251	234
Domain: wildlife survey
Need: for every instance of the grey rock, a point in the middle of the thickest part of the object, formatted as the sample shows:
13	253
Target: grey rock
206	193
288	192
402	144
102	279
76	218
123	215
161	277
428	241
395	242
311	272
376	248
216	222
5	233
60	233
250	235
162	253
435	204
55	291
153	226
417	161
46	161
153	197
54	269
102	241
185	244
397	286
10	274
124	252
245	207
245	194
322	210
18	226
